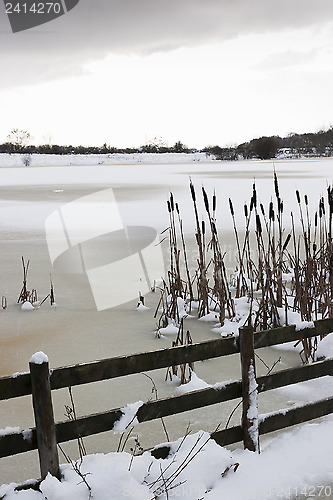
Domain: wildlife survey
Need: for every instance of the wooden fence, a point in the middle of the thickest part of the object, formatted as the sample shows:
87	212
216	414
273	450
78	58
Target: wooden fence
41	381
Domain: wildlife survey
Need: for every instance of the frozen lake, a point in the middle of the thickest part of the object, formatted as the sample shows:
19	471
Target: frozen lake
70	220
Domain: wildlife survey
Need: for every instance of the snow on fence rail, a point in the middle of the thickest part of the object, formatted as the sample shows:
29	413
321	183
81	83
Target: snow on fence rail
40	382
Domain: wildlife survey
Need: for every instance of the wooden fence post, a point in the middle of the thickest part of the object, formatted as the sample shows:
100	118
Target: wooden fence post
249	389
44	419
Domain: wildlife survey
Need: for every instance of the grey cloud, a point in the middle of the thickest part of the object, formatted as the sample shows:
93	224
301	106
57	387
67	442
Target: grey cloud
96	28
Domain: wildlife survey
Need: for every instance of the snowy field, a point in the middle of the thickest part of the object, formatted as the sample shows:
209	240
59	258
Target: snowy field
38	200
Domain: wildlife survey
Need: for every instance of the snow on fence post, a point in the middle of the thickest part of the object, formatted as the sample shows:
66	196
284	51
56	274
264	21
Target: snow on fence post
44	418
249	390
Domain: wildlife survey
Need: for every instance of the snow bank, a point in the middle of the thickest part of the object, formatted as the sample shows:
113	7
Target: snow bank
40	160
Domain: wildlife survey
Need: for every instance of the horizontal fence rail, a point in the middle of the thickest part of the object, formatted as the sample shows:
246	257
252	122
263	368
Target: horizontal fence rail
85	373
102	422
15	442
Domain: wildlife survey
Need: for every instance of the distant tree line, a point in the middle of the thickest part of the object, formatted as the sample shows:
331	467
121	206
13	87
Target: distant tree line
18	141
294	145
309	144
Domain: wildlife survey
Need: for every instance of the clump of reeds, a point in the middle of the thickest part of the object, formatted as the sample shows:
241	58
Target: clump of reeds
265	256
25	294
31	295
310	260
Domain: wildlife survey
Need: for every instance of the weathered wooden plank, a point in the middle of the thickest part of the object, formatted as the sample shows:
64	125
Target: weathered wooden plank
86	426
284	334
102	422
141	362
43	412
277	420
14	387
294	416
189	401
17	442
228	436
324	326
94	424
125	365
294	375
162	358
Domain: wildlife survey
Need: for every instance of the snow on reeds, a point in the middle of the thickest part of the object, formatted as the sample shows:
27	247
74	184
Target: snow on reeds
285	278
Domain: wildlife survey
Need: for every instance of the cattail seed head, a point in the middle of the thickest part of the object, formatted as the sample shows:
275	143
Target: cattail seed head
246	212
231	207
172	202
276	186
298	197
330	198
254	195
286	242
192	191
258	223
271	212
205	197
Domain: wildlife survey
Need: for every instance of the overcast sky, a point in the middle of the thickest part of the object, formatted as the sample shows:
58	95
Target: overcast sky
201	71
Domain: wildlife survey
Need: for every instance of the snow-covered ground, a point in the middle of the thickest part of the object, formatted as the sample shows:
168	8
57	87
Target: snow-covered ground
75	331
296	464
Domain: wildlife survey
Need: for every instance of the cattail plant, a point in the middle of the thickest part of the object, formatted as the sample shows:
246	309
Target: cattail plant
201	275
25	293
185	369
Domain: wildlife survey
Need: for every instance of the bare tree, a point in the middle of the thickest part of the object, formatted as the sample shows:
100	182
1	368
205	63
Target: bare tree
19	138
